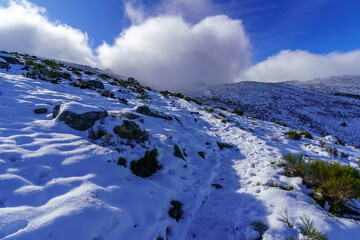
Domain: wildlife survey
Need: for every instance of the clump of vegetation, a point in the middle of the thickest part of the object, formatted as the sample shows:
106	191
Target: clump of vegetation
209	110
222	108
294	165
89	73
176	211
104	76
95	134
222	115
146	166
238	112
283	216
105	93
178	153
309	231
131	131
192	99
306	134
122	161
293	135
84	84
106	140
331	182
260	227
281	124
52	64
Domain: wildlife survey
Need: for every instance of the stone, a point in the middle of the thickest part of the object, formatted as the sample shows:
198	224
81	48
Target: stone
96	84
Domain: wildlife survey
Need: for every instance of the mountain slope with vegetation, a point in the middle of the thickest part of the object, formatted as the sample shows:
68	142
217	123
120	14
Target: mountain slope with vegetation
87	155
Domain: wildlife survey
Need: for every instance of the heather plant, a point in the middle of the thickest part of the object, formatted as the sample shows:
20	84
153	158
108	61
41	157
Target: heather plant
293	135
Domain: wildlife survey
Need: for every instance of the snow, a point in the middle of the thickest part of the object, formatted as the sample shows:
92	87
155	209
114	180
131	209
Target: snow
55	183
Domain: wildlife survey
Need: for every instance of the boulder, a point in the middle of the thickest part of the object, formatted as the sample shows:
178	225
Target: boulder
4	64
78	116
96	84
145	110
10	59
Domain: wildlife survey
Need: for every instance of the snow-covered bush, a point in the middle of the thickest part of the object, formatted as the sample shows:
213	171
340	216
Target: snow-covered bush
146	166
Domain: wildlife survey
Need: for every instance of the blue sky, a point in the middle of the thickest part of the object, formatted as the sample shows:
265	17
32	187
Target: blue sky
320	26
173	43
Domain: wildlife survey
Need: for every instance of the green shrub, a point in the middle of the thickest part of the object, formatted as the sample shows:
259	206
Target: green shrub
176	211
281	124
238	112
131	131
331	182
260	227
104	76
164	93
294	165
66	75
89	73
293	135
336	183
306	134
209	110
309	231
147	165
95	134
105	93
222	115
222	108
52	64
84	84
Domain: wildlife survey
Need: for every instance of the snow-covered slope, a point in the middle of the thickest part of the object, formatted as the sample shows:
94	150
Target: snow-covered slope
347	84
300	107
55	183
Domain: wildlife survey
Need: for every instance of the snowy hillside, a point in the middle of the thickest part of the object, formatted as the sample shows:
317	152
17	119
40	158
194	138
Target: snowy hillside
306	107
85	155
347	84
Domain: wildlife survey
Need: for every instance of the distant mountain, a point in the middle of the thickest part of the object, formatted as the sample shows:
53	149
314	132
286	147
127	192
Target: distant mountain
324	106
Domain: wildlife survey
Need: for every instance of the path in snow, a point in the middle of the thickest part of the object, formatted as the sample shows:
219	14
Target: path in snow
227	212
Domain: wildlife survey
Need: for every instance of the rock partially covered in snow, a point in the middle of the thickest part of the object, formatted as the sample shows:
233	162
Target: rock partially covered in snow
96	84
79	116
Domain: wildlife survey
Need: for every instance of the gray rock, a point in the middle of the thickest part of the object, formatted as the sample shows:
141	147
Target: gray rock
145	110
96	84
79	122
4	65
10	60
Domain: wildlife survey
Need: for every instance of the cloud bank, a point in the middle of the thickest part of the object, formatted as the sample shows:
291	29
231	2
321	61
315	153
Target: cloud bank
164	51
302	65
25	28
167	53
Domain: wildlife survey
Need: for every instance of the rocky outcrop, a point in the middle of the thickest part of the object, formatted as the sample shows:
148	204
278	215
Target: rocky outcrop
78	116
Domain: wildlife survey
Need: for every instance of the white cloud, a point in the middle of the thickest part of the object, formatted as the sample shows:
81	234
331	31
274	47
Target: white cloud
135	14
302	65
167	53
25	28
